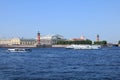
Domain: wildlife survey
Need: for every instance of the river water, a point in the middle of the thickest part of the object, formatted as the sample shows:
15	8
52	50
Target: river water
60	64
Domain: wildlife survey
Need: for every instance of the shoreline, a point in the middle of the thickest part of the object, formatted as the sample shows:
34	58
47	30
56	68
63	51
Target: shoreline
40	46
33	46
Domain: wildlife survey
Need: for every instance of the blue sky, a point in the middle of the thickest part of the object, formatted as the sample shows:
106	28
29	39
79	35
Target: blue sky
70	18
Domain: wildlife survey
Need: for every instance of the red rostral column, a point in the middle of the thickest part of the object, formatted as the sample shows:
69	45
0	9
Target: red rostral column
38	38
97	38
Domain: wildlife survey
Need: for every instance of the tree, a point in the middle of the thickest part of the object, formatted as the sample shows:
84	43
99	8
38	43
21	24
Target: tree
101	42
75	42
119	42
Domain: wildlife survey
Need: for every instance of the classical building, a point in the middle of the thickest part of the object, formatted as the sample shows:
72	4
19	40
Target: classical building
82	38
27	41
42	40
50	39
17	41
5	41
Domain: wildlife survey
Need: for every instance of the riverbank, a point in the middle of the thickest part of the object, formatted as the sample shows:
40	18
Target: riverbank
17	46
59	46
40	46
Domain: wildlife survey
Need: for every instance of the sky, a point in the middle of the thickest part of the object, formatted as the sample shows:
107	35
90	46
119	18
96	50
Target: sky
70	18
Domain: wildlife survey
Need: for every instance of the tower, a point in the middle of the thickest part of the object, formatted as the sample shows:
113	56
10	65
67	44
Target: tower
97	38
38	38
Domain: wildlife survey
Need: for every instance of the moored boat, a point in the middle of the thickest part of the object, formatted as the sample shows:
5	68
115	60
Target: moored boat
70	47
83	47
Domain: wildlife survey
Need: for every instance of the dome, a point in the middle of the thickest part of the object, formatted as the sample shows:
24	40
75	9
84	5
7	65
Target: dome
82	38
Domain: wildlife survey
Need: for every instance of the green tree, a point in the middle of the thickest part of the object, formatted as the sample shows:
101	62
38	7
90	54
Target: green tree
101	42
75	42
119	42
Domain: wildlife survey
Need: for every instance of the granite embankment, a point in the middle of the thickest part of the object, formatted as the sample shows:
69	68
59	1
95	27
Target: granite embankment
59	46
16	46
30	46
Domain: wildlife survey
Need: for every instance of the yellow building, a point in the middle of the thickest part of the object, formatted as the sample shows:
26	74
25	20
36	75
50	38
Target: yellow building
44	40
27	41
5	41
17	41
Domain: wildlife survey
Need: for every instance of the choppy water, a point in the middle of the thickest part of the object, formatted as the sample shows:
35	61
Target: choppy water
60	64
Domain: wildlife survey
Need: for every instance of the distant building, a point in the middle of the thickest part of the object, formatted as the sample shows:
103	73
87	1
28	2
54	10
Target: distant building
5	41
50	39
27	41
82	38
17	41
42	40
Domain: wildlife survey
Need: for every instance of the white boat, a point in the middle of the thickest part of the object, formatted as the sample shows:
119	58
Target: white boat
19	50
84	47
70	47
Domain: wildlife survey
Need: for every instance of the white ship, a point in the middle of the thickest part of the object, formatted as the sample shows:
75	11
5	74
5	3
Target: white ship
19	50
83	47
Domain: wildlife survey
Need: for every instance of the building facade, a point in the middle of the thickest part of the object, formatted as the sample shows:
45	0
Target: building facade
27	41
5	41
17	41
50	39
82	38
44	40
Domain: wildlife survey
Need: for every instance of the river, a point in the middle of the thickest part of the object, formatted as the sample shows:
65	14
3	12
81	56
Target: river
60	64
